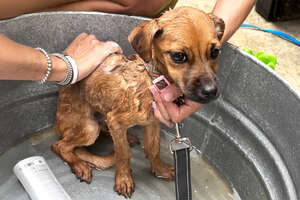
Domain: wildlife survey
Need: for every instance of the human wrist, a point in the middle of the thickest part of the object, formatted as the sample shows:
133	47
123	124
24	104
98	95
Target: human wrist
59	69
38	62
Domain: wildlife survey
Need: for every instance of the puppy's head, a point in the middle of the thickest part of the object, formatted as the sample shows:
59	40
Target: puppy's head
184	45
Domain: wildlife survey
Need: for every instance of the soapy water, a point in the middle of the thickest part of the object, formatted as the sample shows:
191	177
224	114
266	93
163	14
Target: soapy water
207	183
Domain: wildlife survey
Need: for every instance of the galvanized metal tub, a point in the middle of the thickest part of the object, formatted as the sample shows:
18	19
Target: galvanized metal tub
251	134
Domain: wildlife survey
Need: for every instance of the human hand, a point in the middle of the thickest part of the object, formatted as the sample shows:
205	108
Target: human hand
168	112
88	53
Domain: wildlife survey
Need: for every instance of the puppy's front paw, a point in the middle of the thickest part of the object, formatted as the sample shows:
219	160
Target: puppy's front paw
124	183
82	171
163	170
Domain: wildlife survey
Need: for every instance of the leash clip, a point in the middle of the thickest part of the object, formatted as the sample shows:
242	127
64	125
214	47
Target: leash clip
179	139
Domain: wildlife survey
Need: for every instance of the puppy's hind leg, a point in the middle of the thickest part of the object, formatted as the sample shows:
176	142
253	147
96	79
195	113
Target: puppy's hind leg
152	149
99	162
84	133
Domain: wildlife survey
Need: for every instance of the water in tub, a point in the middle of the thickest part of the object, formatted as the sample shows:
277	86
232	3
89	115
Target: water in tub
207	183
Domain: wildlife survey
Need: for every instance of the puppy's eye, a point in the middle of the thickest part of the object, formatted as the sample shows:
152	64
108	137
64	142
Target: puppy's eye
214	52
178	57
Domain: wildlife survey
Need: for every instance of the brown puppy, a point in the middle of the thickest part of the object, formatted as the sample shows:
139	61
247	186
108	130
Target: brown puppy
183	45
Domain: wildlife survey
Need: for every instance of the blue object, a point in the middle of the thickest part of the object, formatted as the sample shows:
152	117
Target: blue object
274	32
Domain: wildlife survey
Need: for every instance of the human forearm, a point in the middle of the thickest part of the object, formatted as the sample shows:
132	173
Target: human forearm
19	62
233	12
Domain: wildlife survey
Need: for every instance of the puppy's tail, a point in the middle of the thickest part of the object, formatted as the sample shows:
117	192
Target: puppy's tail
99	162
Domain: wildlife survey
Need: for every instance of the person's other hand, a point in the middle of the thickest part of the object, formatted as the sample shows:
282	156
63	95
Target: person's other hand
88	53
168	112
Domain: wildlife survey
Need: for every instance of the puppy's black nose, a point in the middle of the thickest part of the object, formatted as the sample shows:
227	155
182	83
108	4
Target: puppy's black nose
204	90
209	91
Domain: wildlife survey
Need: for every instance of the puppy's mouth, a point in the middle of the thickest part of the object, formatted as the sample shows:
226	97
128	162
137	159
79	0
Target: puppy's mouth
203	99
203	91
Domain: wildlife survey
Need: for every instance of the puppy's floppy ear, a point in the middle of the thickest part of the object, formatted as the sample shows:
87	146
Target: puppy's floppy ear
142	36
219	25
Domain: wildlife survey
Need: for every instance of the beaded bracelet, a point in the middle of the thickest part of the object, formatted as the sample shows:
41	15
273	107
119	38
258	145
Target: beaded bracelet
49	65
69	75
74	67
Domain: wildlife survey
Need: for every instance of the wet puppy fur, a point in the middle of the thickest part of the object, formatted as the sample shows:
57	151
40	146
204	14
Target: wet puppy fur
184	45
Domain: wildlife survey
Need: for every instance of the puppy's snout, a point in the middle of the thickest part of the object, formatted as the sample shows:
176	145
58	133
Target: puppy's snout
204	90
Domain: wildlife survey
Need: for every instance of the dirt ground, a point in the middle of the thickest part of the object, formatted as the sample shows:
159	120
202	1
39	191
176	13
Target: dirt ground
288	54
